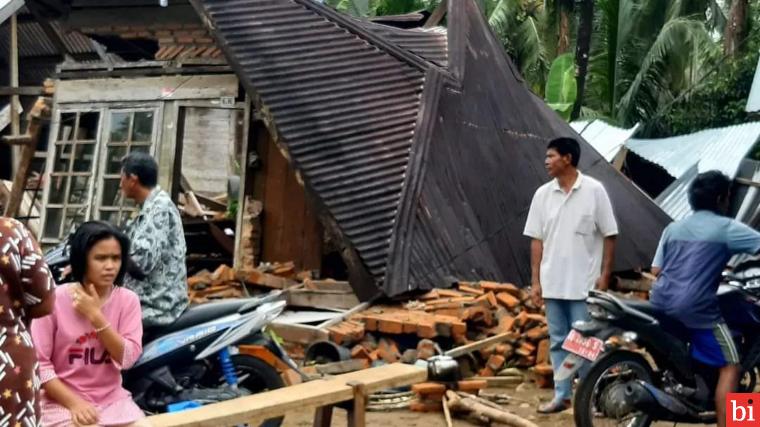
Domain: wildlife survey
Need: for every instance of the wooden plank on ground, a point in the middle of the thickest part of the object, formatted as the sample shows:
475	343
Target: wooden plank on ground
259	407
469	348
323	299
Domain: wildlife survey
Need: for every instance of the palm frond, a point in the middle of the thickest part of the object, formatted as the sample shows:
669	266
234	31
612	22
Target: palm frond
651	84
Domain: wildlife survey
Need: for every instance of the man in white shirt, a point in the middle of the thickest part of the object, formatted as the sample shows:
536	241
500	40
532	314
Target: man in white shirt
573	232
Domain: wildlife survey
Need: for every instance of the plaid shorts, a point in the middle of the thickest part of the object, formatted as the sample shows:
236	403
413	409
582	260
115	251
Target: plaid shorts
714	347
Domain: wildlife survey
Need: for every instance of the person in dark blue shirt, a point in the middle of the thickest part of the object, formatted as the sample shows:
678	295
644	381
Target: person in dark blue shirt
689	261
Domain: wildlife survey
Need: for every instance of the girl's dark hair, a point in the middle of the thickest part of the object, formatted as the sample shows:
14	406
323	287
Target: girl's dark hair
86	236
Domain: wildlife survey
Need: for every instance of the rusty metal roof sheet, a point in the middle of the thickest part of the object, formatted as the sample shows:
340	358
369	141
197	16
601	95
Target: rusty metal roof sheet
431	43
34	42
345	108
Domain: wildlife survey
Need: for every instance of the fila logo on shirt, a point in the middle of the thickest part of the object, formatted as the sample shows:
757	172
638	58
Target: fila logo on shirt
88	355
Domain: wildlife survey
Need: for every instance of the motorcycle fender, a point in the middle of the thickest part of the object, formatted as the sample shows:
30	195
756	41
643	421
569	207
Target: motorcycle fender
251	323
265	355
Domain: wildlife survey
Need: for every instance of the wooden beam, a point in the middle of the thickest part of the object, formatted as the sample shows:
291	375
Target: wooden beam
748	182
619	159
361	307
54	36
469	348
39	110
438	14
15	120
22	90
276	403
323	299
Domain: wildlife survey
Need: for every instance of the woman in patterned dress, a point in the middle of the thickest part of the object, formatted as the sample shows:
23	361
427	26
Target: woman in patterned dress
95	331
26	291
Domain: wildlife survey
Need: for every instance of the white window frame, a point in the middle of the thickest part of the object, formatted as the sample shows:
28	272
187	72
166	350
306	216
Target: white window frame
97	170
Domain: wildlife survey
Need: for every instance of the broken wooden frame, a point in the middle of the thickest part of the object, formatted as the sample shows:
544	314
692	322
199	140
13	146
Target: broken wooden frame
162	97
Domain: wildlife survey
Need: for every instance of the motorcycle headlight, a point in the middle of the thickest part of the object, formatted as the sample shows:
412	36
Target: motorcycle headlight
600	313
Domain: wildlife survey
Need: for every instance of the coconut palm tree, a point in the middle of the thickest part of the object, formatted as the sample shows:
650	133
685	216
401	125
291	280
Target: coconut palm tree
643	54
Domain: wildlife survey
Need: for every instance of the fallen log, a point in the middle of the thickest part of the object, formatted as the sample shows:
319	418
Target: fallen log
480	409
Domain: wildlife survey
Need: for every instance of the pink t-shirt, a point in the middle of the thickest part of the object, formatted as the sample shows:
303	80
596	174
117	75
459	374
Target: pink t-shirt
68	348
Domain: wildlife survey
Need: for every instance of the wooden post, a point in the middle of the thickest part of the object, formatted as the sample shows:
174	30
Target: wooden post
15	120
13	72
323	416
357	413
237	259
29	143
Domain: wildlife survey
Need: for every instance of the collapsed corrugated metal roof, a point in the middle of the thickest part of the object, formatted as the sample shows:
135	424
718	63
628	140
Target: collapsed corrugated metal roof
429	43
606	139
424	171
683	157
721	148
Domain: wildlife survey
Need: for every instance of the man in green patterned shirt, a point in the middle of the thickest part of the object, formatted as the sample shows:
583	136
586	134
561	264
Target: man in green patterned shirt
158	243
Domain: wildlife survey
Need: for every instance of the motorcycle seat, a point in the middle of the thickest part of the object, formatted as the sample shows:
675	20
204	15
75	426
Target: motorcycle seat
667	323
201	313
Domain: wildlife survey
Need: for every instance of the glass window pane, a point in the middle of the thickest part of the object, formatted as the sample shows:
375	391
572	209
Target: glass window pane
119	127
58	186
113	159
83	156
109	216
88	126
140	148
61	159
78	192
66	127
111	193
74	217
53	223
143	127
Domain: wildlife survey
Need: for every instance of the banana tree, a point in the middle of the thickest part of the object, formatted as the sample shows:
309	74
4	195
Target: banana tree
561	86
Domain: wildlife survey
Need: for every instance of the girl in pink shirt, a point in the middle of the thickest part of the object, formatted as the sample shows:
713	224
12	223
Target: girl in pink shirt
94	332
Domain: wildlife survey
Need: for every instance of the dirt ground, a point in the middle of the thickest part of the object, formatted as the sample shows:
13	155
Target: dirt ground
528	397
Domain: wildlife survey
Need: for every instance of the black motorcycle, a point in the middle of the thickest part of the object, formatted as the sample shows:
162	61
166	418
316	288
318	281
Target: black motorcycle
641	370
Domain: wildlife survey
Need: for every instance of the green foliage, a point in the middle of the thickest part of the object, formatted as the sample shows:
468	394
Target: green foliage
651	62
720	98
561	86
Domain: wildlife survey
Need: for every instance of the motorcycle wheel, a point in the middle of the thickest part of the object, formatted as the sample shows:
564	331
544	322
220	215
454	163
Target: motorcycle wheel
599	385
257	376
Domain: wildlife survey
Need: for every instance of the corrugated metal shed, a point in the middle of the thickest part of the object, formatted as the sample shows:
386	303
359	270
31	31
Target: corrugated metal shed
722	149
423	172
606	139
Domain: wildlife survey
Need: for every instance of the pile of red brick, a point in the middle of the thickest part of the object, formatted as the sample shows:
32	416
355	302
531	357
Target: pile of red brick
429	395
472	312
